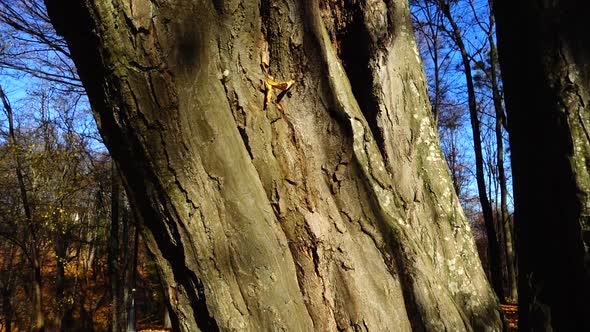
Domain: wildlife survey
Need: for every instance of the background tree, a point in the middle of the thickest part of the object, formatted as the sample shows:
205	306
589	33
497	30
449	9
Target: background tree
29	240
30	46
464	32
488	80
59	142
333	209
67	187
544	51
456	35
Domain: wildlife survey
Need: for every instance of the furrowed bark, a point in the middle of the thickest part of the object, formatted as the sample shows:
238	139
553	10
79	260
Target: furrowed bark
331	210
544	50
486	207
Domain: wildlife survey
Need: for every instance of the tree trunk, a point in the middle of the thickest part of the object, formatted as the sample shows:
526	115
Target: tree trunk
86	320
544	49
6	307
494	253
331	210
126	289
60	246
38	318
132	319
505	220
116	271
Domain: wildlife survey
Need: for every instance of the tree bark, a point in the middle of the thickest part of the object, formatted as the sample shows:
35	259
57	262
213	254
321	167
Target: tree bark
544	49
331	210
116	269
37	318
132	319
494	253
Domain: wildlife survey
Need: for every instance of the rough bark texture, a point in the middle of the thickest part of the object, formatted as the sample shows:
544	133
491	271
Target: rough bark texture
544	50
333	210
494	253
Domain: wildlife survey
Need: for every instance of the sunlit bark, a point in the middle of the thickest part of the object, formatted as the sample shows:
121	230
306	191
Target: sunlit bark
332	209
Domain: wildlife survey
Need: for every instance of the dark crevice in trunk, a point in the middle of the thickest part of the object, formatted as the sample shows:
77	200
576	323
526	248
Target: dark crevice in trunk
397	263
356	54
414	316
271	18
197	297
353	58
244	135
168	241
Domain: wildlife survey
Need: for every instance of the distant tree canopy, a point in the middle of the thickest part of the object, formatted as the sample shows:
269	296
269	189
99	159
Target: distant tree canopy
457	43
60	266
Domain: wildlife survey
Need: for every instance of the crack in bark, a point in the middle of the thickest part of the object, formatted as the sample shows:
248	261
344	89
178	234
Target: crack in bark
316	256
233	102
403	240
192	284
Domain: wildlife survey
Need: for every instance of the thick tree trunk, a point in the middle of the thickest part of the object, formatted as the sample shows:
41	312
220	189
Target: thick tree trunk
332	210
544	49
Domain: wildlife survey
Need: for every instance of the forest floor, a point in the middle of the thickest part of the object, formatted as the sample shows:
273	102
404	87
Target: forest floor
510	315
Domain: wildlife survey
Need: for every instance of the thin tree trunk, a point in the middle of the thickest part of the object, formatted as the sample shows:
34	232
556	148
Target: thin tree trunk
494	252
127	264
86	320
437	90
6	308
132	321
60	248
7	286
9	267
38	318
454	163
331	210
505	219
116	269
